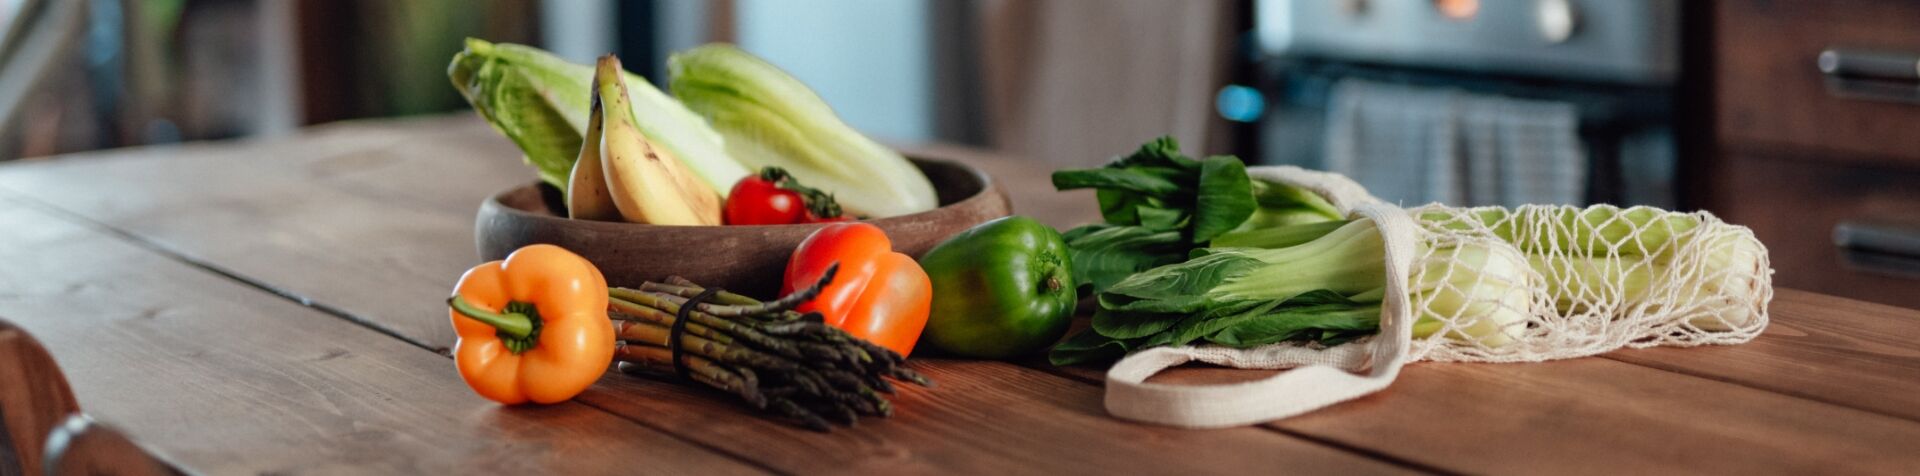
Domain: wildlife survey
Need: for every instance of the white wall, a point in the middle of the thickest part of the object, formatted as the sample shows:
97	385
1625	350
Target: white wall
578	30
868	58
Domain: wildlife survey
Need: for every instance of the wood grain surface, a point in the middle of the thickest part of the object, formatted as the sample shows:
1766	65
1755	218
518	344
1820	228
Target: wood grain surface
1795	152
983	418
280	257
1524	418
349	215
1598	416
221	378
1829	388
1819	347
1770	91
390	204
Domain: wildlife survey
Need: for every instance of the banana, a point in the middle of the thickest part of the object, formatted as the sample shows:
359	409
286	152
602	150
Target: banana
648	184
587	194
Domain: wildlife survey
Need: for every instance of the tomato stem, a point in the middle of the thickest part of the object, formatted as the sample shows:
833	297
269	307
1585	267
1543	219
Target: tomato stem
820	203
518	327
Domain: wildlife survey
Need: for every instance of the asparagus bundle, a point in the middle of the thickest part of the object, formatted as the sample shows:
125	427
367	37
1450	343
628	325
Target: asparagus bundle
774	358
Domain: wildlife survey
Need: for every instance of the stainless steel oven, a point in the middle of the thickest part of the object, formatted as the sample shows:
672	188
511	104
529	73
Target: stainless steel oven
1474	102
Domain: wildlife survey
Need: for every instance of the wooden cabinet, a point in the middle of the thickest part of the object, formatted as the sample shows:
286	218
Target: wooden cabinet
1771	92
1796	151
1793	205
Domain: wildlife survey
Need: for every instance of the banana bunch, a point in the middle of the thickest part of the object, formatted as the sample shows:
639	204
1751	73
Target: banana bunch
622	175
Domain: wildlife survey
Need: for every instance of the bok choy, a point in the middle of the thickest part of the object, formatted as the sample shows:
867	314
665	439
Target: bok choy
1327	290
1607	254
1157	204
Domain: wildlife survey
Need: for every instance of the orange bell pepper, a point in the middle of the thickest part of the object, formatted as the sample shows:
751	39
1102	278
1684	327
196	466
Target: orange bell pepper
532	327
878	294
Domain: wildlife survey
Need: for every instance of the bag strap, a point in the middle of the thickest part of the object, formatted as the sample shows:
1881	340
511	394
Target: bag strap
1311	384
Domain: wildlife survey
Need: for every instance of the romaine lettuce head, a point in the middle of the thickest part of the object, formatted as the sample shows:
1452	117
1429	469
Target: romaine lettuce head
540	102
770	118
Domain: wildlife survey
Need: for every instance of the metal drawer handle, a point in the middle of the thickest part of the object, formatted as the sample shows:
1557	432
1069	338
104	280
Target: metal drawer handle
1871	75
1888	248
1868	64
1879	236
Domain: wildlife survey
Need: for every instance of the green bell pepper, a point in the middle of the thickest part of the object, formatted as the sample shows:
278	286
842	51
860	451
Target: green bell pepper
1000	289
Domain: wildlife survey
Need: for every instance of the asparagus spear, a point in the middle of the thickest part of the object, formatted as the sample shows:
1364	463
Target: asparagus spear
658	310
772	357
700	369
887	357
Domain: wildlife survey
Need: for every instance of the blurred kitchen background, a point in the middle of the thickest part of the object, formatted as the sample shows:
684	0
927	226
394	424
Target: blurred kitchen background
1798	118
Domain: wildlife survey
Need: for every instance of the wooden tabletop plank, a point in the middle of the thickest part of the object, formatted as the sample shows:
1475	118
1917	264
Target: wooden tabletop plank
1588	416
1597	416
284	250
311	250
220	378
346	215
1821	347
275	209
278	211
984	418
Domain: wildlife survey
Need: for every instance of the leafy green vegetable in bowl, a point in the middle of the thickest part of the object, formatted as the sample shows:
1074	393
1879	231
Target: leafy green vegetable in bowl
771	119
541	102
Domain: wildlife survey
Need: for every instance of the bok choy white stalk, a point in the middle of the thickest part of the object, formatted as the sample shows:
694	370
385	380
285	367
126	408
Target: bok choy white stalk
1608	254
1326	290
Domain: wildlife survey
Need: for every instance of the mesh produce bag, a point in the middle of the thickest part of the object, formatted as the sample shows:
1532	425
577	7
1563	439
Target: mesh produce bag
1486	284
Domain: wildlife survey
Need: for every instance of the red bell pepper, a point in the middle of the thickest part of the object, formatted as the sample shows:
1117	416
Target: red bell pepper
878	294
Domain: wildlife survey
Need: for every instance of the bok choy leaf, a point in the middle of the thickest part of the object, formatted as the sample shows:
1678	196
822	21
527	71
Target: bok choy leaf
1158	205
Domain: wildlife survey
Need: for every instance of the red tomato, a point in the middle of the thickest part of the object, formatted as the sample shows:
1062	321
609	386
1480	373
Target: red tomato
757	201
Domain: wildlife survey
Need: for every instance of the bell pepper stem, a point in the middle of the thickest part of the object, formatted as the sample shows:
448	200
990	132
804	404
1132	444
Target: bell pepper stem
512	324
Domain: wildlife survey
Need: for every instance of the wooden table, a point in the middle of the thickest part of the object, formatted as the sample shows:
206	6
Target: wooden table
274	306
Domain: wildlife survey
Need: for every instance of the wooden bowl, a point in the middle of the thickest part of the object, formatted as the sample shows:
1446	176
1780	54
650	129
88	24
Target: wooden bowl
748	259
